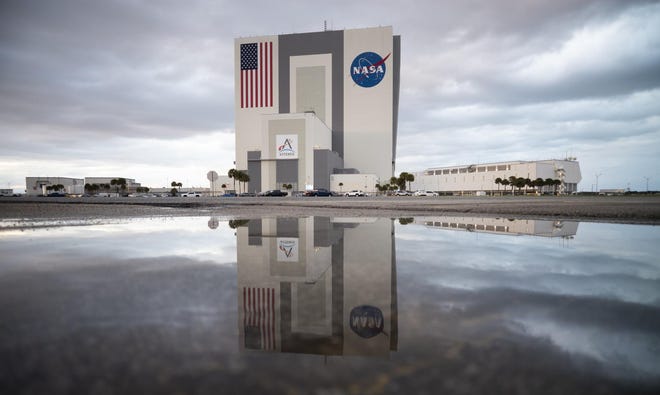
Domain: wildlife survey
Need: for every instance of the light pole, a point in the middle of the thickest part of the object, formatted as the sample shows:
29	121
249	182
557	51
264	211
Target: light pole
647	183
597	175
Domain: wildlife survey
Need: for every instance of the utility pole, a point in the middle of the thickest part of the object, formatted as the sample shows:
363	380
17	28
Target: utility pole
647	183
597	175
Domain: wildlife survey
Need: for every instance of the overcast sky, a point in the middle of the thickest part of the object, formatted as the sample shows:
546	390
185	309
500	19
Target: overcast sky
144	89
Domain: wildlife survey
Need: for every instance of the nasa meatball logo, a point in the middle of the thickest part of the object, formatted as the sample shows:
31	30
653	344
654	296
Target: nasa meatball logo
368	69
366	321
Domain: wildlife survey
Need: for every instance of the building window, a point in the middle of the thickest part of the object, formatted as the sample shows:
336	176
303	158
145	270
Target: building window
502	167
491	168
454	171
463	170
481	169
438	172
445	171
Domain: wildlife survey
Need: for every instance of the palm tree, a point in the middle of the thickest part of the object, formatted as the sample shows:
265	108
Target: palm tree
539	183
512	182
232	174
498	181
241	177
520	183
410	178
505	182
556	183
341	184
174	185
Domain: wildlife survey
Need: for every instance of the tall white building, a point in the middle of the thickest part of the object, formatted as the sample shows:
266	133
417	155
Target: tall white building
314	104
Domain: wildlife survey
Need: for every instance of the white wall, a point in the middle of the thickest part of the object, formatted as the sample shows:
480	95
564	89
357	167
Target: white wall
485	180
362	182
248	120
368	111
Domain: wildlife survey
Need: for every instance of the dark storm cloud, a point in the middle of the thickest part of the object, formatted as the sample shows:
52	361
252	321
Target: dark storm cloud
116	68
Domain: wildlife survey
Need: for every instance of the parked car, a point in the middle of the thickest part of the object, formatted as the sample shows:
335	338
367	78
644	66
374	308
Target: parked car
273	192
425	193
402	193
354	193
247	194
191	194
318	192
56	194
229	194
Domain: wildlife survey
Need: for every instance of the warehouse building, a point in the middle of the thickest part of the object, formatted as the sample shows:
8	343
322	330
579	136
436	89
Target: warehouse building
477	179
38	186
312	105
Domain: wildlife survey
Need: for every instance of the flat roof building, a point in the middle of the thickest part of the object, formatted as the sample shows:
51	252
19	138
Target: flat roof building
314	104
476	178
37	186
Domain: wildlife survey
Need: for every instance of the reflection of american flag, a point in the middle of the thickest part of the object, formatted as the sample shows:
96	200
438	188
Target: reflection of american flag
257	74
259	318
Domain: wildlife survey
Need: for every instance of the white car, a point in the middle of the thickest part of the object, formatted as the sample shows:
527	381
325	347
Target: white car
402	193
425	193
354	193
191	194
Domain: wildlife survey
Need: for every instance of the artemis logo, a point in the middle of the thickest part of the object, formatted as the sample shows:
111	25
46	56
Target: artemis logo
368	69
287	249
286	146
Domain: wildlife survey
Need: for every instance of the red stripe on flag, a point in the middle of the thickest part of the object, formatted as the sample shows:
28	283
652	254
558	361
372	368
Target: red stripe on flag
270	70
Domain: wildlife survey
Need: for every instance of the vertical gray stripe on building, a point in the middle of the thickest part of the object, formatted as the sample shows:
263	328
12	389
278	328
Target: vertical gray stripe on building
396	69
254	171
287	172
331	42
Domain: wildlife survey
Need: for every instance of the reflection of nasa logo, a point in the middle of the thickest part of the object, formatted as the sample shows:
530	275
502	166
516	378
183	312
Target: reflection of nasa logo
368	69
366	321
286	149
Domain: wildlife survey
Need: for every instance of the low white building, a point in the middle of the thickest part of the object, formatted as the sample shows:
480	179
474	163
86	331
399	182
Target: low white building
37	186
475	179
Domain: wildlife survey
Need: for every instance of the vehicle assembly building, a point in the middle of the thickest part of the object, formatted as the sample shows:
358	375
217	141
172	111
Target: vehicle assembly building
312	105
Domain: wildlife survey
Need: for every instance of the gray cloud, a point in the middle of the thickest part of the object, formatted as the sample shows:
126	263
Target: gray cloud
572	75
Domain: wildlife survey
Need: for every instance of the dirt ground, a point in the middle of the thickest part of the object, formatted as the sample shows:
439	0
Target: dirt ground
620	209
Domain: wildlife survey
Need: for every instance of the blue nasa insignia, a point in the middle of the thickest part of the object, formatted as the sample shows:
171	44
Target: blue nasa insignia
368	69
366	321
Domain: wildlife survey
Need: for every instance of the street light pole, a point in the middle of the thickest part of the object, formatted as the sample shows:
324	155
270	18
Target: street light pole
597	175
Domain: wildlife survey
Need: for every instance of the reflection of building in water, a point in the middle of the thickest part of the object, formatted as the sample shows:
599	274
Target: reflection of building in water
317	285
532	227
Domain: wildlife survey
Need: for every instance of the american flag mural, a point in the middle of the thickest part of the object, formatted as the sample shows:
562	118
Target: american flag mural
259	318
257	74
